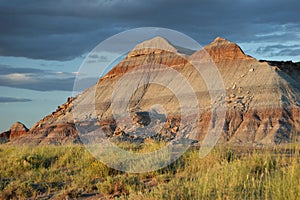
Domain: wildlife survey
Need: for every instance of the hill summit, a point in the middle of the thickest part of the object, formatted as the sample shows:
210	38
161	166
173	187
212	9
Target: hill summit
220	50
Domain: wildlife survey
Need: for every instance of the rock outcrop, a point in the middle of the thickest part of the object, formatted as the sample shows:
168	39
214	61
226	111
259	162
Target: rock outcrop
16	131
262	99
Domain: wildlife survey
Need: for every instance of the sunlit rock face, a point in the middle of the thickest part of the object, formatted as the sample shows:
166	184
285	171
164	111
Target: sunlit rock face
262	99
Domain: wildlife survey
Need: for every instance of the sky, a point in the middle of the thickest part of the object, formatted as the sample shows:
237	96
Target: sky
43	43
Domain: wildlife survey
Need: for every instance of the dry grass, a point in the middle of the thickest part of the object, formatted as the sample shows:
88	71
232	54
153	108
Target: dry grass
60	171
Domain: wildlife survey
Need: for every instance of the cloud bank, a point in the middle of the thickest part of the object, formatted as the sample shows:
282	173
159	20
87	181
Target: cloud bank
13	100
63	30
40	80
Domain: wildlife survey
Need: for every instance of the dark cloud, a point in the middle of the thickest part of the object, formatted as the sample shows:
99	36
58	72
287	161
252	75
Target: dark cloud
62	30
6	69
287	52
96	58
13	100
280	50
42	80
39	84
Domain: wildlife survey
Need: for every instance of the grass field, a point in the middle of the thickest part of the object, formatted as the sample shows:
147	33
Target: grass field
59	172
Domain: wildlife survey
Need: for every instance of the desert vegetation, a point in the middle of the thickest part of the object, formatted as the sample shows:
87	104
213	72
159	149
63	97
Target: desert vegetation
58	172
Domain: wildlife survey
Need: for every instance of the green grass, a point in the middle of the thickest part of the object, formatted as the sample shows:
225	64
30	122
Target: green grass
60	171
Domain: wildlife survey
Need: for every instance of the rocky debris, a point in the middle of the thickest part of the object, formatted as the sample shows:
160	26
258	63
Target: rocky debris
107	126
162	130
239	90
66	106
233	86
142	118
